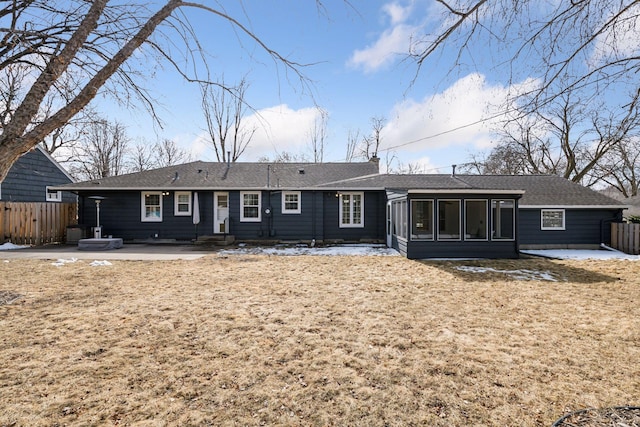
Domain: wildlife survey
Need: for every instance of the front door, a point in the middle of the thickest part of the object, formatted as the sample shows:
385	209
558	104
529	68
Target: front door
220	213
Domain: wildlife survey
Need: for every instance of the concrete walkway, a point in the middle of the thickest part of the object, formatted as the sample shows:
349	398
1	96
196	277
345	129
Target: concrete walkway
135	252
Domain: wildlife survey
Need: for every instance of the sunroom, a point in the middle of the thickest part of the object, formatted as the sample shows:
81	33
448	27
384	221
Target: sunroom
470	223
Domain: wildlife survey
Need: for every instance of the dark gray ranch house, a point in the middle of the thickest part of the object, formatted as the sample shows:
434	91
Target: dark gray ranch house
423	216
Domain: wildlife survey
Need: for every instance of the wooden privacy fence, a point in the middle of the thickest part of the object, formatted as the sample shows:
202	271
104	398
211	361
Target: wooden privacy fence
626	237
35	223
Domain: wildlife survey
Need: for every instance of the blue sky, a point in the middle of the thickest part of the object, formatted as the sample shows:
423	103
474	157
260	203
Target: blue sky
359	71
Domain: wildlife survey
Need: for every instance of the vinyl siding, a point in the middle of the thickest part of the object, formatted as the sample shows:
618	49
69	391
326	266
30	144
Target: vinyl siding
29	177
582	227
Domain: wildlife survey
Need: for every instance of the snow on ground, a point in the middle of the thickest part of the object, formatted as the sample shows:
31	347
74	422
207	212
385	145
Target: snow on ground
60	262
516	274
97	263
579	254
10	246
288	250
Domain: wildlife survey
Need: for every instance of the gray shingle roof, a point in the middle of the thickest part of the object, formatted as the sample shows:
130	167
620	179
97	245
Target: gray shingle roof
539	190
214	175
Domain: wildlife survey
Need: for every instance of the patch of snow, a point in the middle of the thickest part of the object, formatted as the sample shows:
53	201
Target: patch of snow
10	246
579	254
516	274
97	263
338	250
61	262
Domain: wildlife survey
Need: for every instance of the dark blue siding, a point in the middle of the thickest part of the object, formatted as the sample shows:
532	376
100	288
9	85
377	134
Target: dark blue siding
374	219
29	177
582	227
462	249
120	216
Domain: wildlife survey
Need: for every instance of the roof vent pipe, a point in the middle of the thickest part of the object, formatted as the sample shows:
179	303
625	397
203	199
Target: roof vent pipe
453	170
228	158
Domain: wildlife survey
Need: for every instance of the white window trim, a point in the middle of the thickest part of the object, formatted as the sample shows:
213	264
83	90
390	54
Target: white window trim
433	222
437	225
486	220
351	223
242	217
53	196
143	213
564	219
176	195
291	211
513	218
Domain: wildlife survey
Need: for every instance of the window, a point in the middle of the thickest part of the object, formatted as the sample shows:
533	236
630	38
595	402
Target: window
250	206
290	202
552	219
182	203
475	220
151	207
351	209
503	215
400	218
54	196
422	220
448	219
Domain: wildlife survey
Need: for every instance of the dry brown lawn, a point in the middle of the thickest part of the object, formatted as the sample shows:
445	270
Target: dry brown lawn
315	341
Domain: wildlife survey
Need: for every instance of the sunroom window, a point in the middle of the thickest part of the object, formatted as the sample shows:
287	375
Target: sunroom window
475	219
503	214
422	220
448	219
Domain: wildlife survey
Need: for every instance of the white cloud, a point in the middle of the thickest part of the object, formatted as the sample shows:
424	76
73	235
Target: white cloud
278	128
397	12
393	41
462	116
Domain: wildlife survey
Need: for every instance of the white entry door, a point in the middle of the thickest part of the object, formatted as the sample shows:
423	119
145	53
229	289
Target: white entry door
220	212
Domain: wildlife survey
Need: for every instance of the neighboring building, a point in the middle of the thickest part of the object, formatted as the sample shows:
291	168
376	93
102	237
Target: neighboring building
423	216
31	176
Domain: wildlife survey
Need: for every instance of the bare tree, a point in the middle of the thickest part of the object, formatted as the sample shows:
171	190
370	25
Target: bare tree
224	110
570	137
318	136
167	153
285	157
620	168
588	44
141	157
103	153
90	43
370	145
353	140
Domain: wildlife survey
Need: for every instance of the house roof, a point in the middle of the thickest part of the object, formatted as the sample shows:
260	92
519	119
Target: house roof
539	190
536	190
244	176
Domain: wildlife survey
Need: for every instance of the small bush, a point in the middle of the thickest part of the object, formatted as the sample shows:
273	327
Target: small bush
634	219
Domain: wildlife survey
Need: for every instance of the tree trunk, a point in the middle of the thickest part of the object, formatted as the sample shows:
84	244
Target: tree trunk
14	142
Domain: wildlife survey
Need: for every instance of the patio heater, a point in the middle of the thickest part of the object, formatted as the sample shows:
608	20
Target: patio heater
97	230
